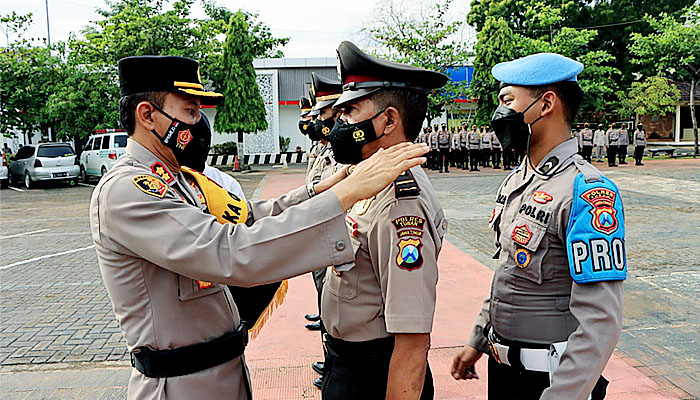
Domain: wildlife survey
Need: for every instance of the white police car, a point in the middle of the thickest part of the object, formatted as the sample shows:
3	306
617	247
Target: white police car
101	152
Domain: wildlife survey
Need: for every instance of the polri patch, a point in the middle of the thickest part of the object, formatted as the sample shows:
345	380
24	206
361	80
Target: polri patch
160	170
150	185
409	221
409	257
542	197
604	214
522	258
522	234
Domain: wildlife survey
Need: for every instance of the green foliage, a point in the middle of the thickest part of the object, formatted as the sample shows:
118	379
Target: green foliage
243	109
655	95
495	43
225	148
284	143
426	42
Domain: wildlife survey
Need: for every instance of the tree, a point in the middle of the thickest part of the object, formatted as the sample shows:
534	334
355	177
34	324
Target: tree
496	43
424	41
243	109
655	95
673	48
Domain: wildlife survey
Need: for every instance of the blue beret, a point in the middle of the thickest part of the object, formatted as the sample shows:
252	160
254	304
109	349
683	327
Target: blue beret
537	70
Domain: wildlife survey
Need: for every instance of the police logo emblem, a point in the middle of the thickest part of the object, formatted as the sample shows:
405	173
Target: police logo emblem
522	258
183	138
541	197
409	257
522	234
358	135
150	185
603	212
325	130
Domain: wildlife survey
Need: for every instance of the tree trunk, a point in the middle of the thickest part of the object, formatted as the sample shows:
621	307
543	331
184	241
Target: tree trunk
694	82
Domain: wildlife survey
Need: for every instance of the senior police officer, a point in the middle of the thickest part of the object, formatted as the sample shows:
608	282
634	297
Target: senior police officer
554	313
165	262
379	313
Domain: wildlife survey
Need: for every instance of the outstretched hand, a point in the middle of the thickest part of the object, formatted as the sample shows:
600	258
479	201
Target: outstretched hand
374	174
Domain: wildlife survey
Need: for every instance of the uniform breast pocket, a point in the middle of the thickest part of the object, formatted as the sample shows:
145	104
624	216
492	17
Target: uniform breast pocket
190	289
525	249
344	284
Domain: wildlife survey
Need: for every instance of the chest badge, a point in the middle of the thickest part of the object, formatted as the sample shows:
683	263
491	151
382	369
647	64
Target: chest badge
522	258
604	214
362	206
409	257
522	234
542	197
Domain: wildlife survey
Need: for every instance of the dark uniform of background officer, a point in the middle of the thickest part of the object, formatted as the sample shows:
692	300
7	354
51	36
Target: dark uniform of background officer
165	260
554	313
379	313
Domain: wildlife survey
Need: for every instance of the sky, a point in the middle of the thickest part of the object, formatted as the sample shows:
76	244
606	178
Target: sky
313	31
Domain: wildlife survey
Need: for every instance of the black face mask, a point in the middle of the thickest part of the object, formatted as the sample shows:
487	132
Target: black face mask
347	139
510	127
323	128
314	134
196	152
305	126
178	137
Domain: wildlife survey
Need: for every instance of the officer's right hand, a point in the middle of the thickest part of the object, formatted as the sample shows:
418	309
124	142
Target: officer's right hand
374	174
463	363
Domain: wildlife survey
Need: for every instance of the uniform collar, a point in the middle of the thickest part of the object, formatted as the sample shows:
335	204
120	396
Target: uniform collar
143	155
559	157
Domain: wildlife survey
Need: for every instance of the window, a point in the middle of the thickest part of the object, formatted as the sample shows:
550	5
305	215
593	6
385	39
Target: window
105	142
98	143
88	146
120	141
62	150
25	152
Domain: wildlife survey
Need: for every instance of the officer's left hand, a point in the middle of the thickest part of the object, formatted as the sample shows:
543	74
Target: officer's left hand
463	363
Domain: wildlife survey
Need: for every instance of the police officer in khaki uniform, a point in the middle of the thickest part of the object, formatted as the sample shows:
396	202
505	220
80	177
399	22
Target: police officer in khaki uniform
612	142
464	147
434	151
474	148
640	142
485	147
165	261
444	146
623	143
495	149
379	313
586	142
554	313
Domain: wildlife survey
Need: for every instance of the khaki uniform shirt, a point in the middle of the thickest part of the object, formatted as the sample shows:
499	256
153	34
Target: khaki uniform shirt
640	138
433	139
494	141
587	137
444	140
455	141
154	243
533	297
463	140
391	287
474	140
612	137
324	159
486	141
624	137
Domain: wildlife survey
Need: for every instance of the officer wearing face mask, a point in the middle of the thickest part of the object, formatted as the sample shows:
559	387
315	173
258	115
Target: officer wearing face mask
166	252
640	142
586	142
444	143
474	148
554	313
612	142
379	313
623	143
434	151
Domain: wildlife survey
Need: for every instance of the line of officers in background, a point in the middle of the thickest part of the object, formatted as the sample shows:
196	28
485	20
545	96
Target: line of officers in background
473	148
611	143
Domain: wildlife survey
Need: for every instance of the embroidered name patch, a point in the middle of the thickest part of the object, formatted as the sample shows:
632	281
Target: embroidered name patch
541	197
409	257
409	221
603	211
522	234
522	258
160	170
150	185
409	232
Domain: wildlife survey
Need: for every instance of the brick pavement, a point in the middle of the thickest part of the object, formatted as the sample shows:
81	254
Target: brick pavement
54	312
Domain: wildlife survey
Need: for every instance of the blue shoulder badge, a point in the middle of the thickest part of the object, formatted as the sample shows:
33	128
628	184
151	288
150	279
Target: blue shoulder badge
595	236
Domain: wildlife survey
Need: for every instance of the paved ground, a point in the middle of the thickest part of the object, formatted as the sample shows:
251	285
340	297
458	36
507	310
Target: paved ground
58	338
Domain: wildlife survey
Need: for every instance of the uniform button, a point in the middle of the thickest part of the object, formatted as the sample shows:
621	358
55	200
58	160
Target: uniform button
340	245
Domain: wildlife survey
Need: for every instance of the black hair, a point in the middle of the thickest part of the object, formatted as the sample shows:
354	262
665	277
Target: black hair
569	93
127	107
412	107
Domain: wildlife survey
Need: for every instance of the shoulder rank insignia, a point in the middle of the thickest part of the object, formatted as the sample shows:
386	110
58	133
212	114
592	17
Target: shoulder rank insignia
150	185
409	257
405	185
160	170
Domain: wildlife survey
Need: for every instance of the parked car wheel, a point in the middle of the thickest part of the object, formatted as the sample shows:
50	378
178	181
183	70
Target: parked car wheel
84	178
28	182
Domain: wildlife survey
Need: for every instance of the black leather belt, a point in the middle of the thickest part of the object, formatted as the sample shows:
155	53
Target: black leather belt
190	359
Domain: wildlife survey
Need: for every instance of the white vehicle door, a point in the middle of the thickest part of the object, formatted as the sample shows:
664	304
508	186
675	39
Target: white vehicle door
93	162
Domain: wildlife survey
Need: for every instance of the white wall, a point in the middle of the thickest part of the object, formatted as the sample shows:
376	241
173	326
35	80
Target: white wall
289	128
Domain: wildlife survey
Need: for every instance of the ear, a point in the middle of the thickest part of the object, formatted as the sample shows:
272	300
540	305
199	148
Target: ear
551	101
144	115
393	120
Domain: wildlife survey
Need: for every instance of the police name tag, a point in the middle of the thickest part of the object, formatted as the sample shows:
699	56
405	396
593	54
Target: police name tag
595	238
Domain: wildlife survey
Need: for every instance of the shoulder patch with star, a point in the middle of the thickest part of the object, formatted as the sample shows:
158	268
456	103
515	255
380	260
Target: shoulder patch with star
150	185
